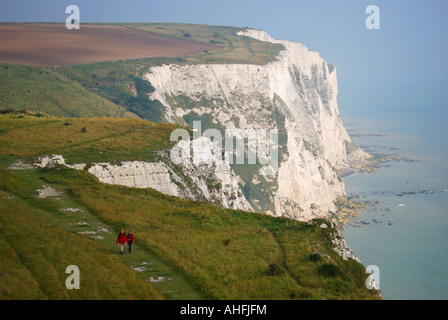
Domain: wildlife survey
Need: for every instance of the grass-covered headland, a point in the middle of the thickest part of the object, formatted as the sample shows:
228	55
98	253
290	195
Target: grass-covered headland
184	249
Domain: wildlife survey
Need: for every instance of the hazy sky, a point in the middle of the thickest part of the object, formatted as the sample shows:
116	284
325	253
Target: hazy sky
402	67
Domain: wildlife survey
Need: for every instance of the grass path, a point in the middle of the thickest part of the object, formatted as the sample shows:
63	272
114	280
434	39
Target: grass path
282	260
64	212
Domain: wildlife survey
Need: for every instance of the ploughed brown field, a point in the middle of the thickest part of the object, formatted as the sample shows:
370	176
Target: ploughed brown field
54	44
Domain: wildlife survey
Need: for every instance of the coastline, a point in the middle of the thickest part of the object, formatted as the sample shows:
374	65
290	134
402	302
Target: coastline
402	228
358	162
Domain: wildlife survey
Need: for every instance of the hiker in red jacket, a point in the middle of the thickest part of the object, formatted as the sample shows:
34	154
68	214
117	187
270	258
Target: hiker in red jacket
121	240
130	239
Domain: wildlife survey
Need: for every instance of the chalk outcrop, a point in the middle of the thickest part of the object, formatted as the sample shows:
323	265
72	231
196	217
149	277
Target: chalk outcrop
54	160
136	174
207	177
341	247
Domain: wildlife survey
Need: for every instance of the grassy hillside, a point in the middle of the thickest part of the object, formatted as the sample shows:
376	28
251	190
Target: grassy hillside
81	139
101	89
208	252
47	90
35	253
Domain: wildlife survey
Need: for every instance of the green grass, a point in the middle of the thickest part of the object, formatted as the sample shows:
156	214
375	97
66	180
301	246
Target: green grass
234	48
215	253
190	236
104	139
56	243
35	253
121	83
46	90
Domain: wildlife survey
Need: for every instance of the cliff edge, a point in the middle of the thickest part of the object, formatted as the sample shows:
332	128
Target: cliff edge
296	94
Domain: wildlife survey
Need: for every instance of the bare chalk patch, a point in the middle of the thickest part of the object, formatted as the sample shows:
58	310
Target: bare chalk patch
102	229
159	279
80	223
72	210
48	191
9	197
86	232
20	165
139	269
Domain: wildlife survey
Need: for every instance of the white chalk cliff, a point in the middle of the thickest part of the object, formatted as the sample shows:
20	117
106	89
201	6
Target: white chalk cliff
209	178
296	93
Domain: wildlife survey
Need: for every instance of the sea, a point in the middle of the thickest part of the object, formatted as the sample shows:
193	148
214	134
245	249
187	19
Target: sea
404	230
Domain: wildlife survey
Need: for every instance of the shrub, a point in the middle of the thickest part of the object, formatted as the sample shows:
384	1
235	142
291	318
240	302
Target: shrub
216	42
275	269
179	59
143	86
6	111
329	270
315	257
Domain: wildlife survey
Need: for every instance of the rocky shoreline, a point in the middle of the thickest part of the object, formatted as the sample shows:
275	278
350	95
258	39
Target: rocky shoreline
370	163
364	159
347	209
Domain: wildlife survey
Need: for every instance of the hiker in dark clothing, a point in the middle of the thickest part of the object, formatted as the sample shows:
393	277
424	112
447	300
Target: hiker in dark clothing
130	239
121	240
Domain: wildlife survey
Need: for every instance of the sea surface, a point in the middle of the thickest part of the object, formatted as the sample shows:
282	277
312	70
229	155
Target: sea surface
405	230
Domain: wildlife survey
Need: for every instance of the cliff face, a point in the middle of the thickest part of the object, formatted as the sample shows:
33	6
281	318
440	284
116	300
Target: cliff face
297	93
210	178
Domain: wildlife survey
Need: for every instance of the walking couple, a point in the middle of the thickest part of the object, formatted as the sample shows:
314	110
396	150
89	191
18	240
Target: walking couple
122	240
